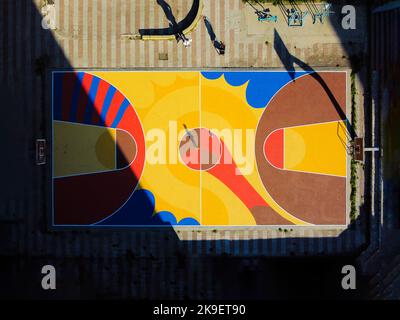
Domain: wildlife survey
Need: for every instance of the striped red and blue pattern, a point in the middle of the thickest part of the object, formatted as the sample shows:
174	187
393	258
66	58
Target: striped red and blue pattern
81	97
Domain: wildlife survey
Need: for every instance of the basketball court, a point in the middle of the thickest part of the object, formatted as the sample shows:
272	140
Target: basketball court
199	148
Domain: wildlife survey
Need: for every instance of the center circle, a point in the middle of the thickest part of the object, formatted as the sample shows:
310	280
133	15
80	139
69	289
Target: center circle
200	149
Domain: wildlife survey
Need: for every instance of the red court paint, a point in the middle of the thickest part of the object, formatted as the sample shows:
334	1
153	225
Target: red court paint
229	174
114	107
274	148
99	101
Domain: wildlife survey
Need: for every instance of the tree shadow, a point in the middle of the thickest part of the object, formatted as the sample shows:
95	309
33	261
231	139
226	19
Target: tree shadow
313	9
347	146
287	12
289	61
174	26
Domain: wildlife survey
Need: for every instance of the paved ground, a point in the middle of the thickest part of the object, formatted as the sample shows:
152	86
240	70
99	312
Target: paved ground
88	35
382	259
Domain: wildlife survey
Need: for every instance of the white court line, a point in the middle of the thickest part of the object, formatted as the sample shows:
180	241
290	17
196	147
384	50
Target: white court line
201	174
115	144
284	149
200	72
291	170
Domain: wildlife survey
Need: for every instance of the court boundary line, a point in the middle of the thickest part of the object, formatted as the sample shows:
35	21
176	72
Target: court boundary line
284	149
191	70
52	152
348	159
200	124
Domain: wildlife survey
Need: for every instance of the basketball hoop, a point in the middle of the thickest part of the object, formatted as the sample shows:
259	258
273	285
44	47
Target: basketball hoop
40	152
358	149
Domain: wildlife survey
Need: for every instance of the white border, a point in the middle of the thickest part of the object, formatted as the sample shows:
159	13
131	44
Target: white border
200	71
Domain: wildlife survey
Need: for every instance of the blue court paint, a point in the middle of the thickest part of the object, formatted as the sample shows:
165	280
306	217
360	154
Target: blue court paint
262	86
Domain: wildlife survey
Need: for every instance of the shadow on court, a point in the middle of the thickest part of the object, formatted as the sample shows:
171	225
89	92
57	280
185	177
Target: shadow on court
289	61
115	262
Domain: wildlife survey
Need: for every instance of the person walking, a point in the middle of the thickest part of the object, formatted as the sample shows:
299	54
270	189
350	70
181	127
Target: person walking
179	36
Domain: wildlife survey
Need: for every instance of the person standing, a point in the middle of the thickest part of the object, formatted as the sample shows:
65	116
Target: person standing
181	37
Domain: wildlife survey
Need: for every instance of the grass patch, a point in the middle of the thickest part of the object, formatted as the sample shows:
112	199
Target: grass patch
354	163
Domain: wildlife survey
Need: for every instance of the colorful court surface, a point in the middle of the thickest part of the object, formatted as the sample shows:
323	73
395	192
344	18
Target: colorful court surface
199	148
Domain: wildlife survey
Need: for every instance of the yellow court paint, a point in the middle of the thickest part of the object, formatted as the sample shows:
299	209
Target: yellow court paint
230	210
163	100
316	148
187	98
82	149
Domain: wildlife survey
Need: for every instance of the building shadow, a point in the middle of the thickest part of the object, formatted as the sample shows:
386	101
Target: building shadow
115	263
28	95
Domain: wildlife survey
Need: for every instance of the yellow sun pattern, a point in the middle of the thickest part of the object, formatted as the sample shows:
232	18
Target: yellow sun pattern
168	101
